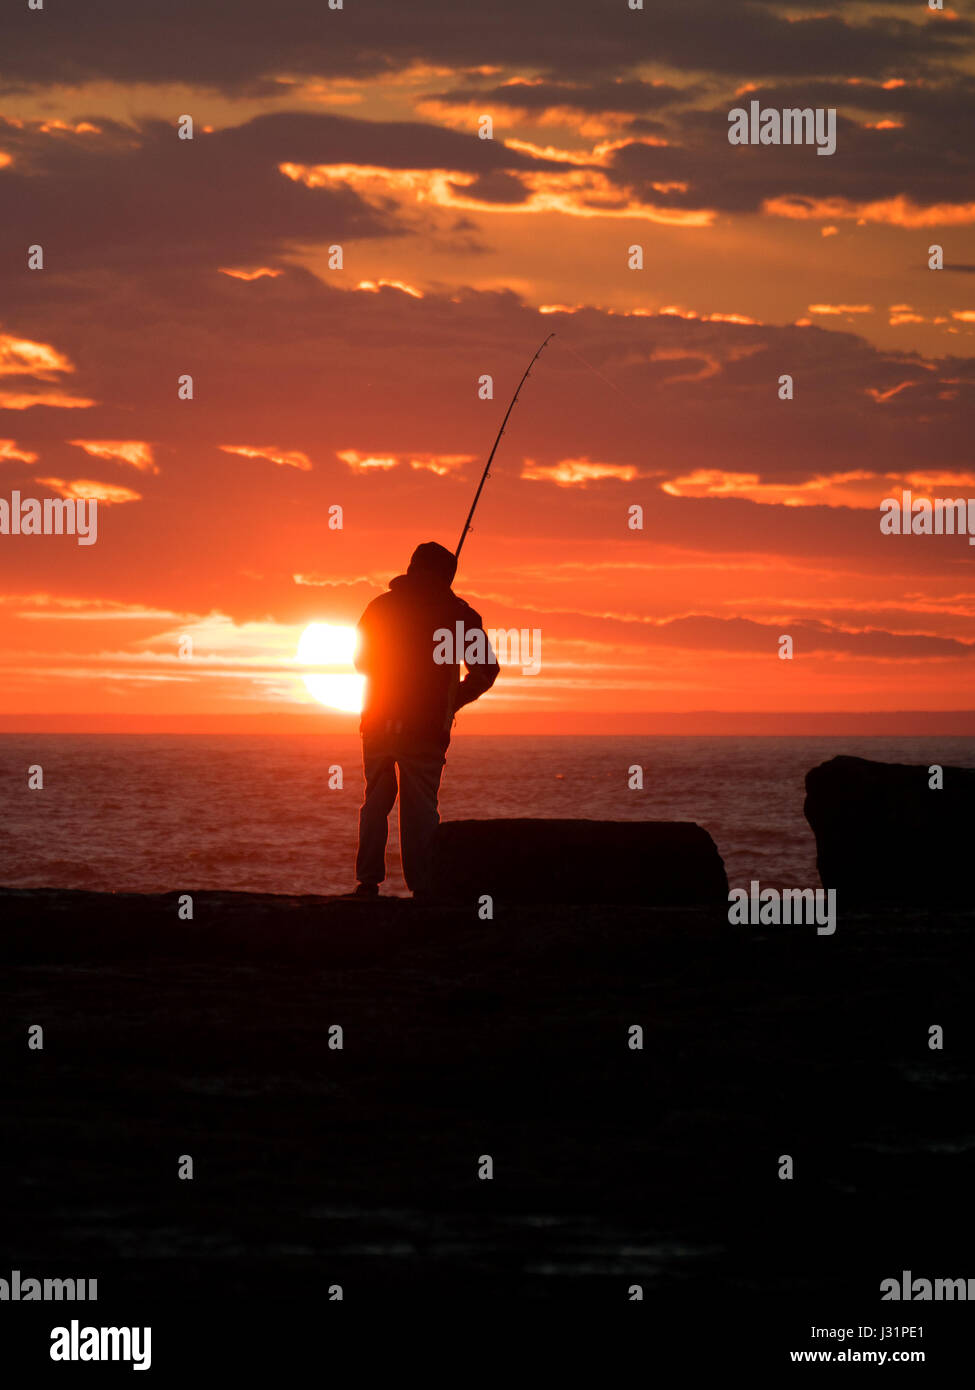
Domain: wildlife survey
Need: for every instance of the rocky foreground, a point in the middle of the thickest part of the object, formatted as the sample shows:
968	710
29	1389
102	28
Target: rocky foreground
614	1166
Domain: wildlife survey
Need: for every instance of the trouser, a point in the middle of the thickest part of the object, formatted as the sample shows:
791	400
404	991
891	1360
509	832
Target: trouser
420	763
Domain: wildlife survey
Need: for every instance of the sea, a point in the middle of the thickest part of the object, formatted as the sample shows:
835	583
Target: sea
173	812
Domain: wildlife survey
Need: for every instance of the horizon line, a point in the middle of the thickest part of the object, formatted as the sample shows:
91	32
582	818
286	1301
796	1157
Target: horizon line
718	723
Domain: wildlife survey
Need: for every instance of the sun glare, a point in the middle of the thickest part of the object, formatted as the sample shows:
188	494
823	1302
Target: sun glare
330	645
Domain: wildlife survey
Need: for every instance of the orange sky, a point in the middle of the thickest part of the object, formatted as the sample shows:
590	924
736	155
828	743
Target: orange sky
316	386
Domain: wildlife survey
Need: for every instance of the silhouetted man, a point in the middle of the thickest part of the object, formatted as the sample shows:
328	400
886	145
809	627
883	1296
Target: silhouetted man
411	696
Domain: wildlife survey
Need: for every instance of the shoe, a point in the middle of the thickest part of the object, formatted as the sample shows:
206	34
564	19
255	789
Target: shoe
362	890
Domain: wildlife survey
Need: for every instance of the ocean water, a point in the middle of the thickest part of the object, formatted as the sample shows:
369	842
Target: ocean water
176	812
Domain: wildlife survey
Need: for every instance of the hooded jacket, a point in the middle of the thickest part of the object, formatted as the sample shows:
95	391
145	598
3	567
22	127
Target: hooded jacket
407	692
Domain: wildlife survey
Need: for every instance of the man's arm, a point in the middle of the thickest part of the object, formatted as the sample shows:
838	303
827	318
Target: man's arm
480	677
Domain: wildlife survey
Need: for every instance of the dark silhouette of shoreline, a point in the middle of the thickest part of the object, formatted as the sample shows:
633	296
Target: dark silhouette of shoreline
613	1166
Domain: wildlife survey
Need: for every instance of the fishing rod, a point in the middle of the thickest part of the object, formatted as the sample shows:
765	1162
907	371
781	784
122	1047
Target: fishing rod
487	466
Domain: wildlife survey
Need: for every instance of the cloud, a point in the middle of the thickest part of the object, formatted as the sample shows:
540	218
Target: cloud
42	362
56	607
11	452
634	96
285	458
441	464
891	212
108	493
189	41
23	357
863	489
257	274
569	186
841	309
363	463
135	452
54	400
374	286
587	108
258	190
901	169
244	211
576	472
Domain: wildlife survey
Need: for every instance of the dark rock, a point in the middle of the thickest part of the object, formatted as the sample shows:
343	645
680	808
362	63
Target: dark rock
357	1166
647	863
884	836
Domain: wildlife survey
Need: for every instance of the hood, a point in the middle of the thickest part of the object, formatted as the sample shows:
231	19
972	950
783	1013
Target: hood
419	583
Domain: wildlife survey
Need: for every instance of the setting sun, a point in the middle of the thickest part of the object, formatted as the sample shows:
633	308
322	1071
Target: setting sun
330	645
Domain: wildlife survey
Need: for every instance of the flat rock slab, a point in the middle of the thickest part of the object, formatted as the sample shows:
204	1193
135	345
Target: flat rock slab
637	863
512	1037
885	836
